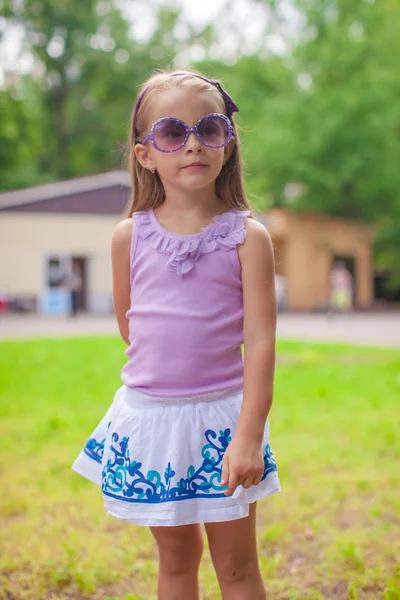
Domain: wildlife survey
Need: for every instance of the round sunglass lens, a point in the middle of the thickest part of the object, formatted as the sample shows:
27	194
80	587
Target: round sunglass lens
214	132
169	135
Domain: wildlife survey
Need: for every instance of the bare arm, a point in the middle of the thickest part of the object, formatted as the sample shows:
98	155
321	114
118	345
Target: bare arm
258	271
243	461
120	253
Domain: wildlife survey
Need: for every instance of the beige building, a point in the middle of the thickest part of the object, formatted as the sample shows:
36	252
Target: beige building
306	246
45	230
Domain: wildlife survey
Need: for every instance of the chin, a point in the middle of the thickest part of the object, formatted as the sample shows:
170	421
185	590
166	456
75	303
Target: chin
199	180
196	184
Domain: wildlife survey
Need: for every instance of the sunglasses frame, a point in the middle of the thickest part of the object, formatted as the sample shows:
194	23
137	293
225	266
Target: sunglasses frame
150	136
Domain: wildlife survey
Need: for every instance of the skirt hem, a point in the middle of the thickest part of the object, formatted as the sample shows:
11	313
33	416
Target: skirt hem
195	513
83	465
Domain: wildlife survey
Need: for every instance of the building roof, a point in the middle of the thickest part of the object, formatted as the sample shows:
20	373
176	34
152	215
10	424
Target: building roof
66	187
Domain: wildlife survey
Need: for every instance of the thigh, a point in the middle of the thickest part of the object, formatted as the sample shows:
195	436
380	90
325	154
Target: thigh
179	547
233	544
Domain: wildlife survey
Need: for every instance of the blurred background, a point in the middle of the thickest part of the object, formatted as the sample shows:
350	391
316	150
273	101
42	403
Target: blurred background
318	86
317	83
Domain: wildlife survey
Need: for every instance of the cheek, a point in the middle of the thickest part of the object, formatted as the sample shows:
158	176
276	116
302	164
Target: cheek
166	163
219	158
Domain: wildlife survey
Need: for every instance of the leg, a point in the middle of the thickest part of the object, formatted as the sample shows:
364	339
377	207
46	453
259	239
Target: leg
233	548
180	549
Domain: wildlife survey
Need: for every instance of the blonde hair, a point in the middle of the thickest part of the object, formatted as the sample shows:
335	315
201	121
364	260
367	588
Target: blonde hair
147	189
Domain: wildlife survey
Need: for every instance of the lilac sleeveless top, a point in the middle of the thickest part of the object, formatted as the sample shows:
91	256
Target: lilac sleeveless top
186	314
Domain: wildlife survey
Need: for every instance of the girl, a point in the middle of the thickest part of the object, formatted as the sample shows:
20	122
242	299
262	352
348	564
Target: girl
186	439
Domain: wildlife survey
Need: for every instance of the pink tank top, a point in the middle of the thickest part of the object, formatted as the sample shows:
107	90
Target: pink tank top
186	313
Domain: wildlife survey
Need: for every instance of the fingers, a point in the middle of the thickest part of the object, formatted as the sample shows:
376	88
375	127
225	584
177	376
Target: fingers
232	484
234	474
225	471
257	479
235	480
248	482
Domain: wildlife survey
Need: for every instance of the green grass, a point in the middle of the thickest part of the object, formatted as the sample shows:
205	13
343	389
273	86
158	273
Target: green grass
332	533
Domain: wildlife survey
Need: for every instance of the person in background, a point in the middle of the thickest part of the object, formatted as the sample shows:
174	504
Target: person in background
73	283
341	286
280	289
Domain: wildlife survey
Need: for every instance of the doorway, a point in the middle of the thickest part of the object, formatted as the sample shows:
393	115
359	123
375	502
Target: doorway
56	296
79	265
350	263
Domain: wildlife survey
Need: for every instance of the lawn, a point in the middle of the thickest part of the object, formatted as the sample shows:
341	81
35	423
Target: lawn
333	532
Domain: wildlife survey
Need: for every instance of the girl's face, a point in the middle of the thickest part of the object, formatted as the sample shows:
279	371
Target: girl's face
173	168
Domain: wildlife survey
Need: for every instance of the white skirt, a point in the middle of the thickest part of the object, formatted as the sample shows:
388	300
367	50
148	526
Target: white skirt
158	460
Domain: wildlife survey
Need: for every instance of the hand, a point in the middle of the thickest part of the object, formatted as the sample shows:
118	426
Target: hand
243	464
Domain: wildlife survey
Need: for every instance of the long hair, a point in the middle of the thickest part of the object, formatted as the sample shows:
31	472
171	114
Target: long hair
147	189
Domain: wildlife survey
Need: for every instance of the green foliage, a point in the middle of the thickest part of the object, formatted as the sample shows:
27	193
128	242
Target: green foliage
19	137
86	78
326	117
352	58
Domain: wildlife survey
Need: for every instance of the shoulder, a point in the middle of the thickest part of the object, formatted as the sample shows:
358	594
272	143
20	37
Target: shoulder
256	230
257	243
123	231
122	235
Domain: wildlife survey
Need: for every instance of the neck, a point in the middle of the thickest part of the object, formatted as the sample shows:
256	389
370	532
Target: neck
202	202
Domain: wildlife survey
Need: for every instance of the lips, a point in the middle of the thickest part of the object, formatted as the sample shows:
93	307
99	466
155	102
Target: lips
195	165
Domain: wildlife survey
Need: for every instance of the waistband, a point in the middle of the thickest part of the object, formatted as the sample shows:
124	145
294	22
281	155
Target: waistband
138	399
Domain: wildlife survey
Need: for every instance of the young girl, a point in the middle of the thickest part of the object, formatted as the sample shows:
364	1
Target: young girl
186	438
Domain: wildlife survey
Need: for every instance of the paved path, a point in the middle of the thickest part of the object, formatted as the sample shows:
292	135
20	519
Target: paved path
371	329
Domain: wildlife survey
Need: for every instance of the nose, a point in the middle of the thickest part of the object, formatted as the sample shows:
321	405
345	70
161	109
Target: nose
193	145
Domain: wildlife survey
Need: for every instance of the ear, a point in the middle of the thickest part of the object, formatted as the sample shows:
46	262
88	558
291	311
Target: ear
143	156
229	149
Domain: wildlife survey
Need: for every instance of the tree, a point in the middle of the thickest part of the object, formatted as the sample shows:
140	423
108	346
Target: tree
19	137
86	74
325	113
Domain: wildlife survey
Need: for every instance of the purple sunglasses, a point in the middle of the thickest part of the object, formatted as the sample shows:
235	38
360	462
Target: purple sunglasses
170	134
230	106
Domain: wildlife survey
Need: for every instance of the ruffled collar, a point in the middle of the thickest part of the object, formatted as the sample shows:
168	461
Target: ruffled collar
227	231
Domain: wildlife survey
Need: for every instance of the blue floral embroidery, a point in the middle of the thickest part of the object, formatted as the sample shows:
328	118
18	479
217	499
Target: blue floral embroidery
124	480
95	449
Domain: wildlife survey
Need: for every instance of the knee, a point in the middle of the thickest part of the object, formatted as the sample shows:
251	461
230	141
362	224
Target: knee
180	556
236	569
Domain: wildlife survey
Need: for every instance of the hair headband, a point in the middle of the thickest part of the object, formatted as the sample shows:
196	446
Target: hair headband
230	106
